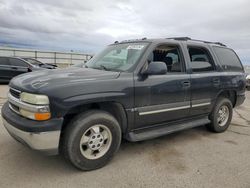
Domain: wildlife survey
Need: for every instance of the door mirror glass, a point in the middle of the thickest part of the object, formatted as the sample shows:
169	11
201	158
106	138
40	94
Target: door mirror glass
156	68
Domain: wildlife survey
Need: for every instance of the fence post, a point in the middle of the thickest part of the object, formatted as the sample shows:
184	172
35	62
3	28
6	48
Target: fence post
71	59
55	58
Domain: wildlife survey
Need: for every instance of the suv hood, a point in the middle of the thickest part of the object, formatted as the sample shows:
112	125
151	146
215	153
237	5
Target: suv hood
49	79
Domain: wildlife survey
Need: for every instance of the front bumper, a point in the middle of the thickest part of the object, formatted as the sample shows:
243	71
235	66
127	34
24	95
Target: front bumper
248	84
43	136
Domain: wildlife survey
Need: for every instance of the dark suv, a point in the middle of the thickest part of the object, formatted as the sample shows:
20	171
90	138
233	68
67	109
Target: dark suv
136	90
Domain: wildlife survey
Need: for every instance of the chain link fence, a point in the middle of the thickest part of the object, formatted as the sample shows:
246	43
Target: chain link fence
61	59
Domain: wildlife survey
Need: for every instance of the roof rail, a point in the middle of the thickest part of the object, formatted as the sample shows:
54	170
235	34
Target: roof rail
188	38
219	43
134	40
180	38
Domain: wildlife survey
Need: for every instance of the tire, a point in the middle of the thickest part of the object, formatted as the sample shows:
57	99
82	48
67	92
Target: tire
76	144
221	123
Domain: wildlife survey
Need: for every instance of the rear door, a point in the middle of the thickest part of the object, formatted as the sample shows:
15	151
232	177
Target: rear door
205	79
18	66
5	69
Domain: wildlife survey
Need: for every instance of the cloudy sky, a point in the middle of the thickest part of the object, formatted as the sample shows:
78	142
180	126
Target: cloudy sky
88	25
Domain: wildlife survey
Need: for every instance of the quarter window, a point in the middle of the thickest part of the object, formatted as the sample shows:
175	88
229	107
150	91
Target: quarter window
228	59
200	59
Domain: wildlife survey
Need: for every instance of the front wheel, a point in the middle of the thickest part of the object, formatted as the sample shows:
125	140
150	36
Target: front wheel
221	115
91	139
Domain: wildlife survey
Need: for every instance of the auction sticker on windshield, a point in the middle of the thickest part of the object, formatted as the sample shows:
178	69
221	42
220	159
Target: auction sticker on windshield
135	47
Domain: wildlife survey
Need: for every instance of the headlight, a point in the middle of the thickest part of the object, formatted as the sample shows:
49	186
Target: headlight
34	99
38	109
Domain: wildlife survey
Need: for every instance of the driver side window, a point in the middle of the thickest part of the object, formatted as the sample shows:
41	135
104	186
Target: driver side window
17	62
170	55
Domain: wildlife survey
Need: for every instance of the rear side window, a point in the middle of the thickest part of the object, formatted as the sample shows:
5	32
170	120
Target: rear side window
228	59
18	62
4	61
201	61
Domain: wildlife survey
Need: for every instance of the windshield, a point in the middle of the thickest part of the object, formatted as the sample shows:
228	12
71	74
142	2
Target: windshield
33	61
118	57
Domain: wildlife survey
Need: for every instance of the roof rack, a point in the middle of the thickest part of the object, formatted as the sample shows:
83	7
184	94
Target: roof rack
180	38
188	38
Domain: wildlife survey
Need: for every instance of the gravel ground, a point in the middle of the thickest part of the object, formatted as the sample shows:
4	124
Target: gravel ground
192	158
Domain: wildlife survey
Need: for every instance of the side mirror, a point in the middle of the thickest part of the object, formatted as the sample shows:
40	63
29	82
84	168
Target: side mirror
29	69
156	68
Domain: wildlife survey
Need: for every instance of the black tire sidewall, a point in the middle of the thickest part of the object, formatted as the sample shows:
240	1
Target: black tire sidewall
214	124
79	126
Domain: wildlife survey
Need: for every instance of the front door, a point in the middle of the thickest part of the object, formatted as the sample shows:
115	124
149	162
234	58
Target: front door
163	98
5	69
18	66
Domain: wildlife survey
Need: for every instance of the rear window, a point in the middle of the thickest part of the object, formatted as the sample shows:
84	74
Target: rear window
228	59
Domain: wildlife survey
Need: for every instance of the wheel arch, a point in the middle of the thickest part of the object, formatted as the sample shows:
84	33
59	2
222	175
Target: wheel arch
114	108
230	94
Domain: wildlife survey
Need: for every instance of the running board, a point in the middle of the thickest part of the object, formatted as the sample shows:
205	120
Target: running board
151	133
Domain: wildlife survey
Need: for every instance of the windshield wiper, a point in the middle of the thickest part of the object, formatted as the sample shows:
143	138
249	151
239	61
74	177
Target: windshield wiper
104	67
101	67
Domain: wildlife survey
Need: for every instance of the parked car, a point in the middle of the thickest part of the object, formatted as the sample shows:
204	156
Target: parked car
40	64
13	66
248	81
80	65
134	90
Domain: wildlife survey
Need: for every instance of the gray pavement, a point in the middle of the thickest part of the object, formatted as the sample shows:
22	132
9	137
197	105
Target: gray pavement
192	158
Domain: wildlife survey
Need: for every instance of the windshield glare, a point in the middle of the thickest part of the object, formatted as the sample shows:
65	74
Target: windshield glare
117	57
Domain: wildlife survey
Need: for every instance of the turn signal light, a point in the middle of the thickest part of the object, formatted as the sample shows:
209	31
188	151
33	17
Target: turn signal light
42	116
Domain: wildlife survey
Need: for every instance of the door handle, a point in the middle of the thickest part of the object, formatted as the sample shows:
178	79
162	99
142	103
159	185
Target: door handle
216	81
185	84
15	68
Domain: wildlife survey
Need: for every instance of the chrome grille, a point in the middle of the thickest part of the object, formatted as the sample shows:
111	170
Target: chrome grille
14	108
15	93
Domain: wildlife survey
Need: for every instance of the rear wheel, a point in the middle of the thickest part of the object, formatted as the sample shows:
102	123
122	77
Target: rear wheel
91	139
221	115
